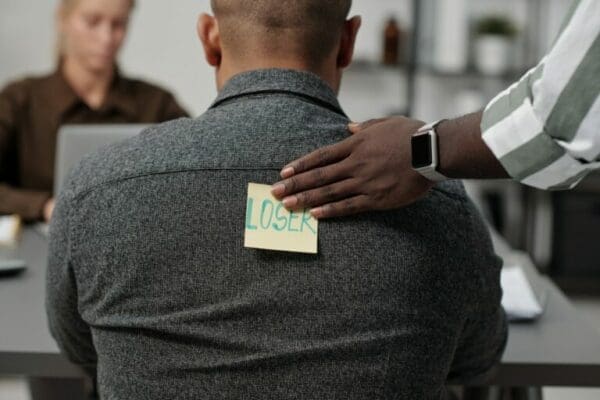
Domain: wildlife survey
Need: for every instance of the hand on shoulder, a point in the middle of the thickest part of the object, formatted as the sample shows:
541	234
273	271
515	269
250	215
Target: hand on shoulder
371	170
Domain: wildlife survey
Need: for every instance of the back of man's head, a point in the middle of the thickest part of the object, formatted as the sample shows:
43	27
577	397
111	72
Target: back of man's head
308	29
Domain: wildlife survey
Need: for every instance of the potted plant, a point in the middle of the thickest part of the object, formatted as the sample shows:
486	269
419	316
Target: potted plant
494	44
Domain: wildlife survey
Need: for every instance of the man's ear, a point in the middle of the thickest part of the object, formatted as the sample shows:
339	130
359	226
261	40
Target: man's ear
349	33
208	32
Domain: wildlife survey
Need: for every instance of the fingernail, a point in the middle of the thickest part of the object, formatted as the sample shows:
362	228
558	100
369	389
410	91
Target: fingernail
278	189
353	125
290	202
287	172
316	212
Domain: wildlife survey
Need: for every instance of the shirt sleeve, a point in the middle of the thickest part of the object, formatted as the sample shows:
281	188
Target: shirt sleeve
71	332
481	345
545	129
484	332
28	204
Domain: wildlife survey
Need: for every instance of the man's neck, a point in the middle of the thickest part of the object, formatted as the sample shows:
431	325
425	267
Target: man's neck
227	69
91	86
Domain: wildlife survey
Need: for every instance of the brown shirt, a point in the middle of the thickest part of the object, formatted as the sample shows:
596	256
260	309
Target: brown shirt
32	110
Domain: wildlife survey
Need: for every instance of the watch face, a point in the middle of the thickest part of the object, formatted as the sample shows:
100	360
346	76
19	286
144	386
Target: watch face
421	151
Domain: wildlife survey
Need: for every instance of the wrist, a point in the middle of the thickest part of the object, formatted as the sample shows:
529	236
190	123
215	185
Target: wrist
458	150
446	135
462	152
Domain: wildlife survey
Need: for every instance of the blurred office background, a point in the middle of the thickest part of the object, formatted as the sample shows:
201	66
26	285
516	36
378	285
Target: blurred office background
426	58
163	47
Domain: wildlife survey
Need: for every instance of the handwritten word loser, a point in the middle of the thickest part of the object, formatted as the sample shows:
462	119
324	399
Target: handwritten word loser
270	226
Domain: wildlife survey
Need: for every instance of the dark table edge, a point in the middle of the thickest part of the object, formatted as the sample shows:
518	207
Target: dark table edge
517	375
51	365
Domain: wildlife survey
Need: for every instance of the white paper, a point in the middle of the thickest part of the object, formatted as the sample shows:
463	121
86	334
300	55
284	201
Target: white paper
9	230
518	300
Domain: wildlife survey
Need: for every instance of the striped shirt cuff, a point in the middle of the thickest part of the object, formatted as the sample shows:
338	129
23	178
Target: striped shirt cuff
544	129
516	136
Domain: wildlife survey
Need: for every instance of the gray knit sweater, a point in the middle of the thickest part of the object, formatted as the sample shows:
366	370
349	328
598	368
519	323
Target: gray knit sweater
149	283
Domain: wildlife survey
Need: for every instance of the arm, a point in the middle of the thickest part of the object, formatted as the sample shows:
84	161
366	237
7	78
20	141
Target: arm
460	330
545	128
481	345
485	330
29	204
463	153
371	170
70	331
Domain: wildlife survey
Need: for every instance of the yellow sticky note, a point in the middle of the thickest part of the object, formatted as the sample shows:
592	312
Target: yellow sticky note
270	226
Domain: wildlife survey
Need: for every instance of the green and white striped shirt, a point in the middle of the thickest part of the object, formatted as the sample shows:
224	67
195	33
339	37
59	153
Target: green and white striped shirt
545	129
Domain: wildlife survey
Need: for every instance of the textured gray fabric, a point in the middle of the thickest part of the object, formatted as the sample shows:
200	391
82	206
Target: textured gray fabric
149	280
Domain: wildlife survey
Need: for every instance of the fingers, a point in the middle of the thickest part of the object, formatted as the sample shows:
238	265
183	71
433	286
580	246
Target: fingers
353	205
310	180
329	154
320	157
326	194
355	127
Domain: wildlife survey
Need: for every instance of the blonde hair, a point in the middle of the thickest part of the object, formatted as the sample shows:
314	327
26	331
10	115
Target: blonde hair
65	7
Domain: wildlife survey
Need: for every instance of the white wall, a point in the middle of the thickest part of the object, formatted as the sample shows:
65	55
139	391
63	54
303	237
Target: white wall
163	47
26	37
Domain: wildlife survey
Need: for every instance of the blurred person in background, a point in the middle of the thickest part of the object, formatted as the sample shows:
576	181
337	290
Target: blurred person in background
86	87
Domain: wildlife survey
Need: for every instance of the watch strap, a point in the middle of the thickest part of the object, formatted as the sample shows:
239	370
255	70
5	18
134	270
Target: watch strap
431	172
433	175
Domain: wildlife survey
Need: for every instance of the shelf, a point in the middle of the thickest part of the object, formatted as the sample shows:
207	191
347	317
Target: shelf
369	66
362	65
470	73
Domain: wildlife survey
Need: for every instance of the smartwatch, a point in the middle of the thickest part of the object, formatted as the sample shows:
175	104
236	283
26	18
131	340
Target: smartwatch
425	155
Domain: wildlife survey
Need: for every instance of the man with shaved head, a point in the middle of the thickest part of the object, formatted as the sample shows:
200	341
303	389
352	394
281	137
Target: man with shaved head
281	29
150	286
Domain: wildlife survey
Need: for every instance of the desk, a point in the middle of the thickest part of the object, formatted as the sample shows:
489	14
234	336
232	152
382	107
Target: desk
26	347
561	349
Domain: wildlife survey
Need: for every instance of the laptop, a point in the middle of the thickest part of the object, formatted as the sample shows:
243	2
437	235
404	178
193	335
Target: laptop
75	141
